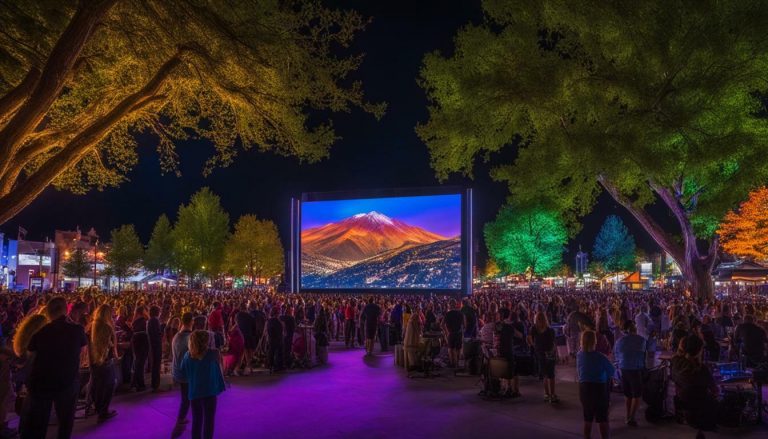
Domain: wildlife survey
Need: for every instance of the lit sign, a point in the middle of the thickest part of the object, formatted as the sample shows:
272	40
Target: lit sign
34	260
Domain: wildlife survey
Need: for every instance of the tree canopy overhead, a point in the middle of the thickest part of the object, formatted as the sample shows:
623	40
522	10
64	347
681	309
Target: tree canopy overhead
78	79
652	101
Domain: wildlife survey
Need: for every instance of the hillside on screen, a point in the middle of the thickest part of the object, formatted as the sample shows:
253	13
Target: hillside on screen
402	242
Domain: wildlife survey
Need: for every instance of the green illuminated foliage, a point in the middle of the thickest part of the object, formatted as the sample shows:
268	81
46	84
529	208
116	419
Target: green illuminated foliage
526	239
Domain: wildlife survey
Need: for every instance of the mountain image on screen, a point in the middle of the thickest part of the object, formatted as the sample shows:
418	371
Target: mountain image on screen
372	250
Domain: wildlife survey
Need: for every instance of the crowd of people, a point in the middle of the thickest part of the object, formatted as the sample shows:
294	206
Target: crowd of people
67	350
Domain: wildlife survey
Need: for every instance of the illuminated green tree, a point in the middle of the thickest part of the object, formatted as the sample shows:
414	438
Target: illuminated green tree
77	265
653	101
254	249
200	235
159	254
80	78
526	239
614	246
124	256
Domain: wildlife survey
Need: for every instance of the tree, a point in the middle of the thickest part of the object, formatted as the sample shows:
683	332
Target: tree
200	233
76	265
124	256
254	249
523	239
159	254
744	233
655	102
598	271
615	246
79	79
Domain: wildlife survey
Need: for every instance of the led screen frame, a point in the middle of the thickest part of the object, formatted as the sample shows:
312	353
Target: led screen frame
466	237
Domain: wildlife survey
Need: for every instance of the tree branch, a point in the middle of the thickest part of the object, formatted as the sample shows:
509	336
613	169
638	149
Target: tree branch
14	98
52	78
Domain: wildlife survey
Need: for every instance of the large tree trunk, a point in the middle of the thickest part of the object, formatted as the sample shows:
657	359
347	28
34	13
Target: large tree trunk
695	267
13	202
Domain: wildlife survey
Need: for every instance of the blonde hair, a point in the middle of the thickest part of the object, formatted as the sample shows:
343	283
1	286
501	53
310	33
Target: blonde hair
198	344
588	340
27	328
102	334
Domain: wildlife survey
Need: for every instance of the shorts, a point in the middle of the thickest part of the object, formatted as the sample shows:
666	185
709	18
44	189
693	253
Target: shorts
632	383
594	401
370	330
546	366
455	340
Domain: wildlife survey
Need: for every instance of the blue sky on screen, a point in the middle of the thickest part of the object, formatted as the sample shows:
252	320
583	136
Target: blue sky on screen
439	214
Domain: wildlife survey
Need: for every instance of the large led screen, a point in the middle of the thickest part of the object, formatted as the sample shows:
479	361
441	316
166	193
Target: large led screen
396	242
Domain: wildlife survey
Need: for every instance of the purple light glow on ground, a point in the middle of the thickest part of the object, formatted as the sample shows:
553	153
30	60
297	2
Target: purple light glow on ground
353	398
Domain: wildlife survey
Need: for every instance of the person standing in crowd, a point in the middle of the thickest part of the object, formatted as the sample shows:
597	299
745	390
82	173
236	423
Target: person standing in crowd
629	353
140	347
396	320
103	352
216	324
595	372
643	322
247	325
470	317
155	337
573	324
542	337
751	340
696	390
349	323
453	326
275	337
28	327
370	314
180	346
55	375
322	337
236	347
201	368
289	328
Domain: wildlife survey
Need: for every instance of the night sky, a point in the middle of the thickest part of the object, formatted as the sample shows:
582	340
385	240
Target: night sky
371	154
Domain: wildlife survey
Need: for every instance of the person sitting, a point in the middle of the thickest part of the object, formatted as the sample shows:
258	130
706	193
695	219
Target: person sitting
695	387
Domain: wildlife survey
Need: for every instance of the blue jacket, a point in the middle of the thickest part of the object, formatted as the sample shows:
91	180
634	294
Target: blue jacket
629	352
204	376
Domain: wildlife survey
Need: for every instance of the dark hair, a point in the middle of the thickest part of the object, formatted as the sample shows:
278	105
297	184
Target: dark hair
56	308
692	345
154	311
629	326
186	318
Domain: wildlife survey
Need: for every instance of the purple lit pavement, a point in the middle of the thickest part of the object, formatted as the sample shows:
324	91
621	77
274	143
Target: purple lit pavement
356	398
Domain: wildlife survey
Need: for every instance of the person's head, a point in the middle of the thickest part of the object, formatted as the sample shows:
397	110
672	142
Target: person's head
370	300
103	314
629	327
692	346
749	318
140	312
26	329
186	320
154	311
216	305
56	308
198	344
588	340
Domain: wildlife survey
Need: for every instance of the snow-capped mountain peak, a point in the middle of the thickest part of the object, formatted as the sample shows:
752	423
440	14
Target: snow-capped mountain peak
375	217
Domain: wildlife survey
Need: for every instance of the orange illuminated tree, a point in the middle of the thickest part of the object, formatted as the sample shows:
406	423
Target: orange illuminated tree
79	79
744	232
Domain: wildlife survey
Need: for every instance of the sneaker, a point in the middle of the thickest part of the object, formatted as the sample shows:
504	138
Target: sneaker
632	423
547	398
554	399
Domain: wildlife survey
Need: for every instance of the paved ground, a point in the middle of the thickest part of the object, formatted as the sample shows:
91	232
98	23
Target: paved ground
357	398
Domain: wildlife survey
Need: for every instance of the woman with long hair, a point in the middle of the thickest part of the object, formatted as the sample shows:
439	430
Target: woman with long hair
542	337
103	351
201	369
28	327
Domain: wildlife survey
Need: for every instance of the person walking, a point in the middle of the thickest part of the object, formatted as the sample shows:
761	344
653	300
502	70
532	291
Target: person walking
54	379
595	372
103	352
201	368
629	353
179	345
